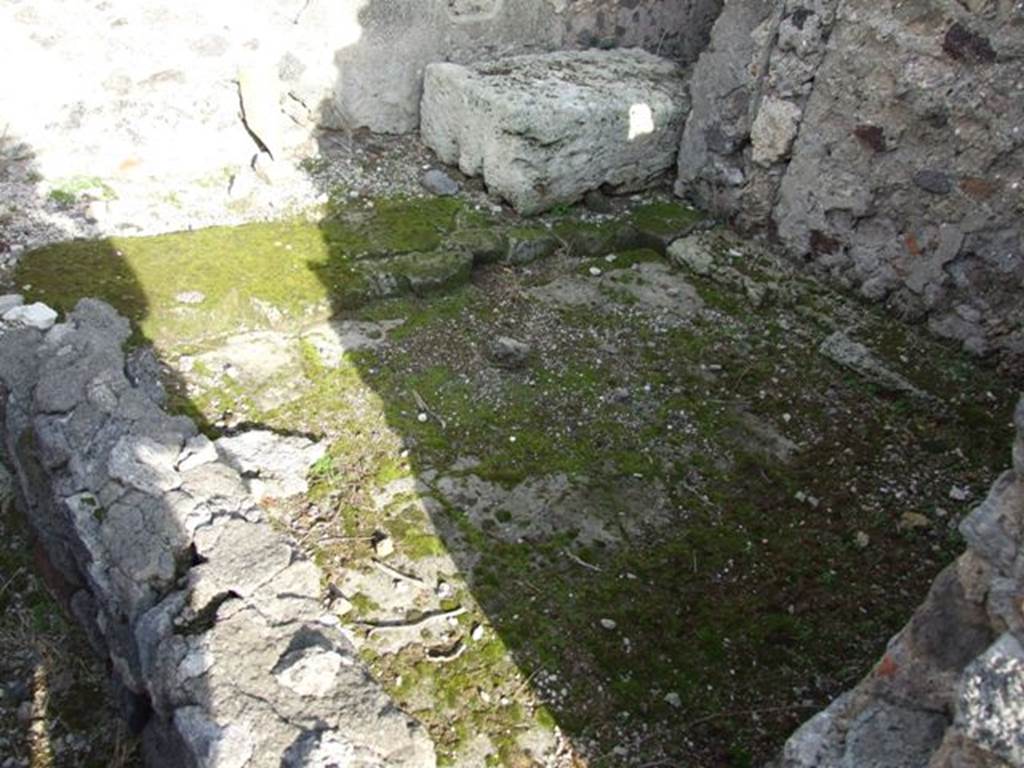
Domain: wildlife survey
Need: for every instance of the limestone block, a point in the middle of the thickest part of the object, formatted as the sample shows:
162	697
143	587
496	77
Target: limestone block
544	129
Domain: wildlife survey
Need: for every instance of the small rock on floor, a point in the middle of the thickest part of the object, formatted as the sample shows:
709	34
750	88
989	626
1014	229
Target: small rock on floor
384	546
691	253
911	521
35	315
439	183
597	202
510	353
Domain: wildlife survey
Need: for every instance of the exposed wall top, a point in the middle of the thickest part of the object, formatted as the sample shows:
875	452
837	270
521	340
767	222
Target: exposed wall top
211	620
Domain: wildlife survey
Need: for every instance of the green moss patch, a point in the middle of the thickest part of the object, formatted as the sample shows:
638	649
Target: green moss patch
390	226
660	223
584	238
190	286
750	592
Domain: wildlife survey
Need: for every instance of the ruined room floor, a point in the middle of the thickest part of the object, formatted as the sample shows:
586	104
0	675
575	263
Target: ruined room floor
585	505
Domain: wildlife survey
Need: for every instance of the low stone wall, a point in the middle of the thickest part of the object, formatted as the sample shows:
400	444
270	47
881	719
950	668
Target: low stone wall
218	643
882	142
949	691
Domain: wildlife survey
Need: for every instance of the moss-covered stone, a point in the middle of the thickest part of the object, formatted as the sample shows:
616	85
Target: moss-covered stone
419	273
390	226
188	285
659	224
526	244
486	246
185	287
596	238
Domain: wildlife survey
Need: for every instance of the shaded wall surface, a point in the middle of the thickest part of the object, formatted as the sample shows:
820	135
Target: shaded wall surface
883	143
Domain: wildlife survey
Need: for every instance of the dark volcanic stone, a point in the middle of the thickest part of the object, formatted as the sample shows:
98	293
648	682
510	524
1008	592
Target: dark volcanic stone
871	136
936	182
966	45
822	243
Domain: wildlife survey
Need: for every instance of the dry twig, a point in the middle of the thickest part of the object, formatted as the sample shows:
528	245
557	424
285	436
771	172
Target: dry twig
385	626
580	561
395	573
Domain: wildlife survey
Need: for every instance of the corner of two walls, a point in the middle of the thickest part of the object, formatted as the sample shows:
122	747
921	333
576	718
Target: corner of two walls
380	73
882	143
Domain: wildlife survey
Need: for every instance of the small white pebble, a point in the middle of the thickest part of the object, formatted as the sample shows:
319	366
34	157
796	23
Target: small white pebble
595	271
422	418
608	624
956	493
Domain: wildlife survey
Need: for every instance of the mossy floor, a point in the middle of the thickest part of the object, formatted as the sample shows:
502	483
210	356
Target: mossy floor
664	536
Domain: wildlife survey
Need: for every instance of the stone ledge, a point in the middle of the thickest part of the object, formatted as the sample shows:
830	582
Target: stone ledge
211	621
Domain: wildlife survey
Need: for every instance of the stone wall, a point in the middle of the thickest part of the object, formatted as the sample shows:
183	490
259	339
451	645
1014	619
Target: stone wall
380	76
142	116
220	648
883	143
949	691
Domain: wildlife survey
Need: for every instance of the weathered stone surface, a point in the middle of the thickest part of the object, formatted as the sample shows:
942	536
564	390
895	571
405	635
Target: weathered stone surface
691	253
750	88
844	351
439	183
212	622
949	692
510	353
524	246
881	142
774	130
10	301
724	87
275	465
543	130
1018	446
990	706
36	315
657	291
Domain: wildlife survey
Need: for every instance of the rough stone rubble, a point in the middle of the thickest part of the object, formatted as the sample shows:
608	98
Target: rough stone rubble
882	142
544	130
949	690
221	652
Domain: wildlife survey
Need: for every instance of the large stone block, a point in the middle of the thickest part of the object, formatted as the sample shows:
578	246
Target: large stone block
544	129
